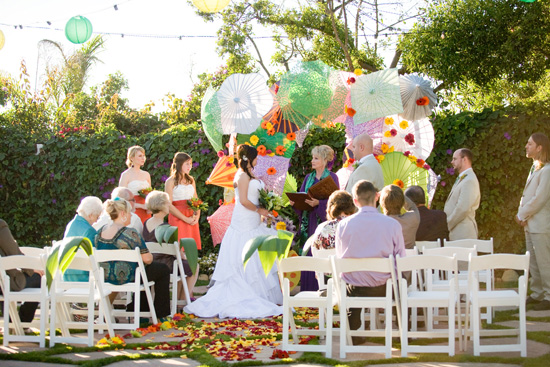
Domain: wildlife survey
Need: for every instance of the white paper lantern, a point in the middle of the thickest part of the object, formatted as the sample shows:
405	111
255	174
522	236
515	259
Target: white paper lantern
210	6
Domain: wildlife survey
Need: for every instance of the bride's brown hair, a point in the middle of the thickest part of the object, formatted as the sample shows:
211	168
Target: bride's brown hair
179	159
245	156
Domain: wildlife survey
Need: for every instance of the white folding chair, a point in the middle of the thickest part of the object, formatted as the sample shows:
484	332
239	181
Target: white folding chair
178	273
379	265
322	254
486	298
64	293
307	299
428	298
483	247
35	251
139	284
422	245
11	298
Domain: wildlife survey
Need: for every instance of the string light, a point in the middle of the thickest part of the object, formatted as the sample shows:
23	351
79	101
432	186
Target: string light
116	7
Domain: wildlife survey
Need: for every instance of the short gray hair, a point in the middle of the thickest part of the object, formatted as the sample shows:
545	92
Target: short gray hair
156	201
90	205
122	192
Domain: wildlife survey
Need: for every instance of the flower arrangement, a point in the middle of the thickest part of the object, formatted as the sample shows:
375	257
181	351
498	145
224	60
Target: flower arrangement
281	223
196	204
271	202
144	192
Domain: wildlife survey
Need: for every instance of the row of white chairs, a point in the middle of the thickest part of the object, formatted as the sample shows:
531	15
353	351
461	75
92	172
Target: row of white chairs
55	303
435	293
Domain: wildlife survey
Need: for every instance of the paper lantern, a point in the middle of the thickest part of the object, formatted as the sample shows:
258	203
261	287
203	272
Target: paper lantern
2	39
210	6
78	29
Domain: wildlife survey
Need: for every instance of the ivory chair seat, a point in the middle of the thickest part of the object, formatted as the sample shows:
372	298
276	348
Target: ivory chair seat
177	274
11	298
423	245
306	299
380	265
478	298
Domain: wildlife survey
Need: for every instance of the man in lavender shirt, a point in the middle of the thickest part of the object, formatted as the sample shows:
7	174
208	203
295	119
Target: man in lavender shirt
368	233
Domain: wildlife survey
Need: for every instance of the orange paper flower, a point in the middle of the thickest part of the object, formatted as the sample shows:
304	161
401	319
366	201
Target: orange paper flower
271	131
275	214
420	163
280	150
399	183
271	171
350	111
291	136
264	124
424	101
261	150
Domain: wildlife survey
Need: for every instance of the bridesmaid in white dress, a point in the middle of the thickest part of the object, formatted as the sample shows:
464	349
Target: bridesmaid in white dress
240	293
135	179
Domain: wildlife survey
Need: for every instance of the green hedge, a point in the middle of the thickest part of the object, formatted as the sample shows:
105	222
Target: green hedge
40	193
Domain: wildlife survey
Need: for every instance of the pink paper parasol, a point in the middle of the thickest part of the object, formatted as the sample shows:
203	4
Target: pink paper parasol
220	221
344	174
414	136
272	171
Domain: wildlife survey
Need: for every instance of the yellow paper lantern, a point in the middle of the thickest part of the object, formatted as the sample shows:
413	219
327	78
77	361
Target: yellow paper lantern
210	6
2	39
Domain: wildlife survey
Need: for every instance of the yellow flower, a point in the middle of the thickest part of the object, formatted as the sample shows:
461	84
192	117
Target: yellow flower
380	158
231	160
385	148
254	139
404	124
387	134
358	72
280	226
388	120
392	148
269	126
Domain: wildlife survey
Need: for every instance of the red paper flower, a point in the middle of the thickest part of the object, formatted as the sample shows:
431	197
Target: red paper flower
407	153
424	101
271	171
409	138
426	166
420	163
393	132
291	136
351	80
220	153
261	150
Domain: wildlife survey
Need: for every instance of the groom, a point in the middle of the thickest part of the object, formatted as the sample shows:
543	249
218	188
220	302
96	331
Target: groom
369	169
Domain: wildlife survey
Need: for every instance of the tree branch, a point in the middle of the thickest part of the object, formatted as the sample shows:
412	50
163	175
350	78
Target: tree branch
396	58
260	60
366	66
344	47
440	87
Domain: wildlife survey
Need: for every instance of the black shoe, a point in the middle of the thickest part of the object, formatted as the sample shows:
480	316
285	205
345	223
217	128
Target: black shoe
542	306
531	301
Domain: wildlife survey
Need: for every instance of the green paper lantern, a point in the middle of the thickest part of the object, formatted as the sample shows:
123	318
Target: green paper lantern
78	29
2	39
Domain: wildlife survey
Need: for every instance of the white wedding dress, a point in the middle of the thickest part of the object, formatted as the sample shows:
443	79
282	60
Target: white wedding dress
240	293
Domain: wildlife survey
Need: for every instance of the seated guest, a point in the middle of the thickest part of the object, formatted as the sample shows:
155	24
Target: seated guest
392	200
339	205
126	194
19	279
158	203
367	233
118	235
433	223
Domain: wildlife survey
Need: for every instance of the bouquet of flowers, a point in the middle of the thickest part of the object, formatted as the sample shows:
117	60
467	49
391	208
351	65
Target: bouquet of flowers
196	204
272	203
144	192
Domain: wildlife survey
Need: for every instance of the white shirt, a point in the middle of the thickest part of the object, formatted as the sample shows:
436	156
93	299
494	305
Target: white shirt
104	219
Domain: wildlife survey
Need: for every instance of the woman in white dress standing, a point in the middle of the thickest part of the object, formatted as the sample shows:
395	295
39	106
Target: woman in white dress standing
240	293
135	179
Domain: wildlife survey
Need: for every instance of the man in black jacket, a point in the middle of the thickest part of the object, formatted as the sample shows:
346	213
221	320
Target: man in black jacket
433	223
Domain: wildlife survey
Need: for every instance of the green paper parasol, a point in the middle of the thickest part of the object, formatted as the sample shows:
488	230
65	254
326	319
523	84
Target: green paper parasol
211	117
397	166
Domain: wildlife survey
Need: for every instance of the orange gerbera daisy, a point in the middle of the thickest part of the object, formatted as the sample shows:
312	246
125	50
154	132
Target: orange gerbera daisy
424	101
264	124
291	136
350	111
399	183
271	131
271	171
261	150
280	150
275	214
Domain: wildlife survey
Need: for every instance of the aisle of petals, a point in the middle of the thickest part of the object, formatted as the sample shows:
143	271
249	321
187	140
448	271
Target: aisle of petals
228	340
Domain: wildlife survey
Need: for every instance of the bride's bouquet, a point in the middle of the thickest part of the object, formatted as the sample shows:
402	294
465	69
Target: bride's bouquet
271	202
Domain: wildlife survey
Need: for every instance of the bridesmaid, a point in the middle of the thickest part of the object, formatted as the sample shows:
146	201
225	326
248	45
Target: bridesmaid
309	220
135	179
180	186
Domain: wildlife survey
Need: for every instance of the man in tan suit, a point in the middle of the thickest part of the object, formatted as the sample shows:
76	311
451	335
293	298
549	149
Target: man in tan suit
463	201
369	169
534	215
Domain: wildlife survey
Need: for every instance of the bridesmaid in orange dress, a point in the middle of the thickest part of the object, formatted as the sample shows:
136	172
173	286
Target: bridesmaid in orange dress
135	179
181	187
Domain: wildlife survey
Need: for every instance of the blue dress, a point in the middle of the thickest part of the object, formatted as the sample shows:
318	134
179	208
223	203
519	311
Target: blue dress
80	227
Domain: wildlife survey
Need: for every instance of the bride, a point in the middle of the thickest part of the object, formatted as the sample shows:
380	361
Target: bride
240	293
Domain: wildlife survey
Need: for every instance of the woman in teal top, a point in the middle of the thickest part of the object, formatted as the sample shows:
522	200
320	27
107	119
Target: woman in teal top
88	211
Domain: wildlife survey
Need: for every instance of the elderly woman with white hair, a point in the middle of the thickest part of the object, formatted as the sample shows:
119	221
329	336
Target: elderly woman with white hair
88	212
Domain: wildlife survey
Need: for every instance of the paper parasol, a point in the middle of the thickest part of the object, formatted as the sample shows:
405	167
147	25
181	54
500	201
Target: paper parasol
418	97
340	83
375	129
290	186
305	90
399	169
432	185
272	171
265	143
223	173
376	95
301	134
243	99
210	117
416	137
220	221
275	115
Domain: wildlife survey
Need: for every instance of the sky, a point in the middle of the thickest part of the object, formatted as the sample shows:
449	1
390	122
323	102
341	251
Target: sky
153	66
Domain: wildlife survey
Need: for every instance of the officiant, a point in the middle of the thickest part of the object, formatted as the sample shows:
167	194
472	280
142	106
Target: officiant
310	219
